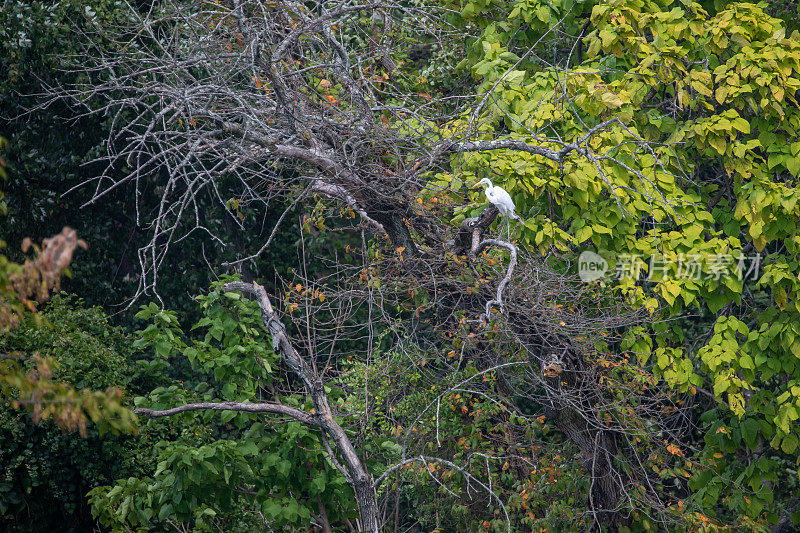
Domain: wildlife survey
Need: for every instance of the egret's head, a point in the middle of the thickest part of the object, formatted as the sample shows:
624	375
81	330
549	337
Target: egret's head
484	182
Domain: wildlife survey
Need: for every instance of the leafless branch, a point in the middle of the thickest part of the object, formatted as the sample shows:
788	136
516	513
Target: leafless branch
242	407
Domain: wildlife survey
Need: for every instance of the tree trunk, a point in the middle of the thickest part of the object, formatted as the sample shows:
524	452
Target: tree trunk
597	450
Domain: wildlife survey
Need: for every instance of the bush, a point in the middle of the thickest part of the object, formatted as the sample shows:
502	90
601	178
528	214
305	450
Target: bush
45	472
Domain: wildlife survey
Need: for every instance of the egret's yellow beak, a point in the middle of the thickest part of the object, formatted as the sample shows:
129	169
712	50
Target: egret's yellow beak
477	185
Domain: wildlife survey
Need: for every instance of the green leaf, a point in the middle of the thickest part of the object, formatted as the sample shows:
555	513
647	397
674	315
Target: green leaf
165	512
271	508
721	384
248	448
319	482
749	429
511	57
741	125
607	37
789	443
583	234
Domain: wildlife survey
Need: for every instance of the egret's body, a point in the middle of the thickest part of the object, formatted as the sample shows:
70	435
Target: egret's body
499	198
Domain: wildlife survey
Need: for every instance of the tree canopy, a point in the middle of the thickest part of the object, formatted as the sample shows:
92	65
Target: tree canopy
375	351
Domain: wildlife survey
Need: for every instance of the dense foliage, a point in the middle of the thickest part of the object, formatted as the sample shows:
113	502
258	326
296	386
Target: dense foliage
200	478
661	136
706	158
46	472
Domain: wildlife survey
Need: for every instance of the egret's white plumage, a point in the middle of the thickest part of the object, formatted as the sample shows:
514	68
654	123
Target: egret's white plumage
499	198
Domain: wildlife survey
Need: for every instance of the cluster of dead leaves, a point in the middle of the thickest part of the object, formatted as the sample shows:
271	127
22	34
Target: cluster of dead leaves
33	281
32	386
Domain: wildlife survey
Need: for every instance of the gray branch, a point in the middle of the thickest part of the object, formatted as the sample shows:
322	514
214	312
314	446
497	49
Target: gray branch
243	407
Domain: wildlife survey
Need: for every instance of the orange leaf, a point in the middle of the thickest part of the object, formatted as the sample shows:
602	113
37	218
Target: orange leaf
674	450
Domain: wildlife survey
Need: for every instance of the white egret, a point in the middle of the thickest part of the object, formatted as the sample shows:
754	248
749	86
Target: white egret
499	198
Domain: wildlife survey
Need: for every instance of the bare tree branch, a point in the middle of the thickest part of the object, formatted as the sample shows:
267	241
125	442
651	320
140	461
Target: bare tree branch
242	407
